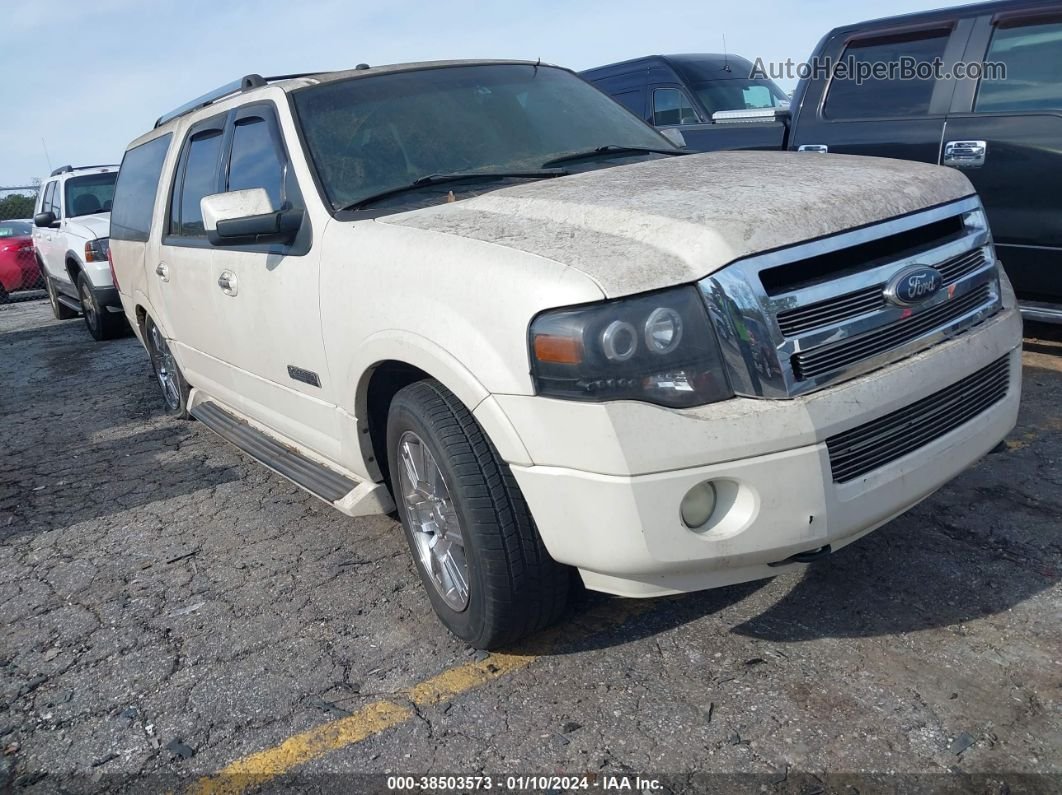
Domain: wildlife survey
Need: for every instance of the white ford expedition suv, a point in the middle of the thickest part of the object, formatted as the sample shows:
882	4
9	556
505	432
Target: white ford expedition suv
70	228
488	295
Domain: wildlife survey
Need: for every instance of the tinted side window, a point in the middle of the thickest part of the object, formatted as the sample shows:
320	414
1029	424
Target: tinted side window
256	161
671	106
200	179
134	195
888	92
1032	56
634	101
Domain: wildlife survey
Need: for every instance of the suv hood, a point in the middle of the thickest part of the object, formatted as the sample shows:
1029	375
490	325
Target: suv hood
90	226
664	222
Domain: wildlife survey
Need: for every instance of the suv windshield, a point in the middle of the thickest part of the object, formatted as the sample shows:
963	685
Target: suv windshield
92	193
372	134
747	94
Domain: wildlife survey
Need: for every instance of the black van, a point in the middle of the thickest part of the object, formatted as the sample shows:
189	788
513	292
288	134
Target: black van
685	92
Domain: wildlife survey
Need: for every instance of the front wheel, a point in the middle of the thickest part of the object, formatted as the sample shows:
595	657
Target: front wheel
174	388
476	548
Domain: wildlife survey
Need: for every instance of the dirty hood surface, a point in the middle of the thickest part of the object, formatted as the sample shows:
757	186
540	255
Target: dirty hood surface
672	221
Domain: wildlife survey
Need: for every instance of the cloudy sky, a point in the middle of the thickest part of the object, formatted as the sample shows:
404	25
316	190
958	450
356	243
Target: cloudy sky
84	78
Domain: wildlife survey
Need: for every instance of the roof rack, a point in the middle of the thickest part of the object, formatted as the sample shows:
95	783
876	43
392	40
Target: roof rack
68	169
245	83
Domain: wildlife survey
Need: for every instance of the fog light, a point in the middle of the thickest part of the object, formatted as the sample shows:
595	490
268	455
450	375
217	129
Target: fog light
698	504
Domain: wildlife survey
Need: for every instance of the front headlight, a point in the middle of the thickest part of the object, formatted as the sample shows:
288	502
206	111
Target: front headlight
96	250
657	348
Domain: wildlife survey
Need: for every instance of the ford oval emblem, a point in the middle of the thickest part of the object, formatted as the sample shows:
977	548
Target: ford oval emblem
914	285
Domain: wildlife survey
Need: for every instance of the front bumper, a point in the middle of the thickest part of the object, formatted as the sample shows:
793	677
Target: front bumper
611	509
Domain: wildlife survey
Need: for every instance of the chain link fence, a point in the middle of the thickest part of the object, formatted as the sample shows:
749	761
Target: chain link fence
20	273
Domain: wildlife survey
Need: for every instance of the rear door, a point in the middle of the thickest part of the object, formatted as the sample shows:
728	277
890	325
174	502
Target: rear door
179	270
135	196
883	97
1005	133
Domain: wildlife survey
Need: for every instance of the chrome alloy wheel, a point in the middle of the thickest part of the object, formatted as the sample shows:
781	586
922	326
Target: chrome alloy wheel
433	522
166	370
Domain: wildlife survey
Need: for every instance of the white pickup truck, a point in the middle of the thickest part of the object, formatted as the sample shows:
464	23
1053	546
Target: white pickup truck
486	294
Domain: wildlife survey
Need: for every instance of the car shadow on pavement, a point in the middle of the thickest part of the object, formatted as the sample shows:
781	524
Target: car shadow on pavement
89	481
597	621
891	583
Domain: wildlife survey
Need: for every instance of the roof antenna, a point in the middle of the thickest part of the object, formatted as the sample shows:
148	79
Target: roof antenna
726	56
46	156
539	61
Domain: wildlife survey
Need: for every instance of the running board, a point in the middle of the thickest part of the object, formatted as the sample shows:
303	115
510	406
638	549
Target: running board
314	477
1044	313
68	302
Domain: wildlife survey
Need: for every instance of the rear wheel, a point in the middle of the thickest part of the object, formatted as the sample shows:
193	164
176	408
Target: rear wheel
61	311
171	380
102	324
477	550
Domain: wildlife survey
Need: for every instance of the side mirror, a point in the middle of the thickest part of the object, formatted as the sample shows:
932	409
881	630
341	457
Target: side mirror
44	220
674	135
240	217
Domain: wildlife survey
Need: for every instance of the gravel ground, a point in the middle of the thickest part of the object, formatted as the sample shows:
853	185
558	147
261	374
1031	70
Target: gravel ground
168	606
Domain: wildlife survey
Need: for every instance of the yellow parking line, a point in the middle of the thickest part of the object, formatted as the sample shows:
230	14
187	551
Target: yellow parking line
465	677
301	748
377	717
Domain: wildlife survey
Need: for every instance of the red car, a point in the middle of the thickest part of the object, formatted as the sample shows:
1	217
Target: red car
18	265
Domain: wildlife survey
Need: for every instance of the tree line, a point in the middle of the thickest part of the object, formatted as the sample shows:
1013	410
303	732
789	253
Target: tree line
16	205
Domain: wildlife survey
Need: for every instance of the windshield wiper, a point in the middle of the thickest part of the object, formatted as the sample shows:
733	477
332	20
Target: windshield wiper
440	179
611	150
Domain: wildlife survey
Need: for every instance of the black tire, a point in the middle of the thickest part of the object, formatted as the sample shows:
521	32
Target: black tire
102	324
61	311
514	587
4	298
175	394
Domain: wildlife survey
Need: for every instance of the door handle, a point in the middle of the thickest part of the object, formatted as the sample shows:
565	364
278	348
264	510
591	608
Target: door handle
965	154
820	149
227	282
162	271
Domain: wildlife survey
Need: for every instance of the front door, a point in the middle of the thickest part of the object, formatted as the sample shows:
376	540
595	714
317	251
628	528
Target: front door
1004	133
889	113
251	313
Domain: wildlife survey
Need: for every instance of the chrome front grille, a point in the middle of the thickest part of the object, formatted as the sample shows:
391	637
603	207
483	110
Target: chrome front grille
957	267
828	358
828	312
869	299
863	449
800	319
